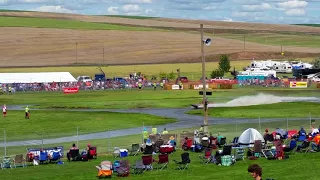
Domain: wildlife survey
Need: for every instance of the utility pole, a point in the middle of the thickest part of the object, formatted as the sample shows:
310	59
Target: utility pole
76	53
103	57
205	108
244	43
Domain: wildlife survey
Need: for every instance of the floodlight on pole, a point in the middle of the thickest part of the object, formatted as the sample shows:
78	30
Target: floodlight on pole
206	42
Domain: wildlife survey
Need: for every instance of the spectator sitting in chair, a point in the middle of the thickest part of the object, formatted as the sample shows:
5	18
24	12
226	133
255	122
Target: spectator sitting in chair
172	141
74	147
89	156
55	150
315	143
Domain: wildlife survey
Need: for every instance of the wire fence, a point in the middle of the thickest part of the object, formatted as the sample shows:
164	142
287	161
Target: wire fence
12	143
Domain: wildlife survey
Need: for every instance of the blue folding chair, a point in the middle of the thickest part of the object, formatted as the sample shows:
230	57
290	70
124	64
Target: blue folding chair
55	157
43	158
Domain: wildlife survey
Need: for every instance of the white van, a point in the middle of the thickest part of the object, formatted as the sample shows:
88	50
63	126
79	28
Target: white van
84	79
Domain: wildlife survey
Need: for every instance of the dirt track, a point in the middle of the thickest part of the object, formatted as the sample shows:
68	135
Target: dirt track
51	47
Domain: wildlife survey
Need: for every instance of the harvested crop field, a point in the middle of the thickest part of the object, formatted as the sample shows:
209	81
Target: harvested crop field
54	42
44	46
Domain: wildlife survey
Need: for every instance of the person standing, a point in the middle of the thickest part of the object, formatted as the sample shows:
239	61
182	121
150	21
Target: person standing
4	110
27	113
154	86
161	85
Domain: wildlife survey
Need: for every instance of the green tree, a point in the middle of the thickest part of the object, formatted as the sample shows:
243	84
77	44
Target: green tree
163	75
316	63
217	73
224	64
172	76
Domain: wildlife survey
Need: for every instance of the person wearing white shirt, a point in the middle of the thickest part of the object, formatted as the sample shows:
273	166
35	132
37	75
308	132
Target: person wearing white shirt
4	110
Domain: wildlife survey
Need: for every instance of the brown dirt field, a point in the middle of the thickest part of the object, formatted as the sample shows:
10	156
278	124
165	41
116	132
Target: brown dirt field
51	47
173	23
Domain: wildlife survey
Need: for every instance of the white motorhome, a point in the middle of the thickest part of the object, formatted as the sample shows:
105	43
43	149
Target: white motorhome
301	65
263	64
283	68
259	73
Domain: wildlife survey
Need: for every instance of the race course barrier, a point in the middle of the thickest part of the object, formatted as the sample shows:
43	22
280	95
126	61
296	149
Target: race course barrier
298	84
70	90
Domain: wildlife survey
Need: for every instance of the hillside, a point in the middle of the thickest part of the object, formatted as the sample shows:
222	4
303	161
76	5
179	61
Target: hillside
51	39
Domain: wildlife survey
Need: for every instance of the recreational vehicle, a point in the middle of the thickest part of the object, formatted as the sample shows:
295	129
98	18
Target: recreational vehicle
283	68
301	65
259	73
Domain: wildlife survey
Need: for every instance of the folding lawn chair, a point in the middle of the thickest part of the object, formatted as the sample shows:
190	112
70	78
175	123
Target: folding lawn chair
55	157
105	169
163	161
74	154
257	148
239	155
6	162
223	141
227	149
43	158
207	156
135	149
147	162
124	169
138	168
185	161
292	147
93	152
19	160
235	141
305	147
116	152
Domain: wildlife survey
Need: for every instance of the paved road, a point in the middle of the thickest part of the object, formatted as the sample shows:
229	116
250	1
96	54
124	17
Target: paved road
183	121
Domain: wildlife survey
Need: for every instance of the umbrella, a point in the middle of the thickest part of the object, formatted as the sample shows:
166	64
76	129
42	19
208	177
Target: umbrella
282	132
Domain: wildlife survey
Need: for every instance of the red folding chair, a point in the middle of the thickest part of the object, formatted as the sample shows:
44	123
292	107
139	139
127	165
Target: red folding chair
147	162
163	161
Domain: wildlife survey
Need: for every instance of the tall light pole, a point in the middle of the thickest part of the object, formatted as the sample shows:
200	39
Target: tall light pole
76	53
207	42
4	141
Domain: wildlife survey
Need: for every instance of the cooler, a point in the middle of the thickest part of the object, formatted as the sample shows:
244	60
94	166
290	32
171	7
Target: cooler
166	149
123	152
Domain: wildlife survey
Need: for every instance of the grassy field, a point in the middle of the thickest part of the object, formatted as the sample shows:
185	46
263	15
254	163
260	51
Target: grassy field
191	70
277	39
313	25
63	24
279	110
139	99
86	170
61	123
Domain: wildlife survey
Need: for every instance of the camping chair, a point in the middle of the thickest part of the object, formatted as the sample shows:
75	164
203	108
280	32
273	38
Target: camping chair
235	141
292	147
105	169
43	158
305	147
227	149
74	154
55	157
19	160
207	156
148	150
147	162
222	142
257	148
185	161
135	149
116	152
163	161
239	155
157	144
138	168
269	138
93	152
213	143
124	169
6	162
301	138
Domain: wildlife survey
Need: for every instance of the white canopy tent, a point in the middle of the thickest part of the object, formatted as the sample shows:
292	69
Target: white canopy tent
249	136
41	77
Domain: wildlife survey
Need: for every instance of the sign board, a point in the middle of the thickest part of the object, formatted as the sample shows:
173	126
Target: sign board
176	87
298	84
200	86
47	150
70	90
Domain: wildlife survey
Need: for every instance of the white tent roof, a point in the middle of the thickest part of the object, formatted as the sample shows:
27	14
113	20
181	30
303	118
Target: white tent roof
249	136
41	77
